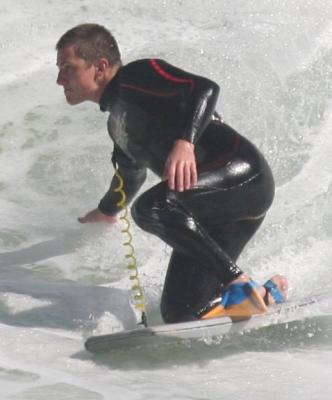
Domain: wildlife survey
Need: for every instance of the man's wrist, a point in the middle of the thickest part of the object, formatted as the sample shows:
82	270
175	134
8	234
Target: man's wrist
185	142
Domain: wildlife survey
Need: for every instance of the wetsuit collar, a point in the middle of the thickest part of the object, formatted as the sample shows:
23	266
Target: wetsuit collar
108	92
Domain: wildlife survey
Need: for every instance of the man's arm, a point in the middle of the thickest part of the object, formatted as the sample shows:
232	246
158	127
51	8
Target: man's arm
133	176
199	98
195	97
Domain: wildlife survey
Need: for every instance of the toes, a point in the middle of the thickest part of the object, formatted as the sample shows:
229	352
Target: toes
282	284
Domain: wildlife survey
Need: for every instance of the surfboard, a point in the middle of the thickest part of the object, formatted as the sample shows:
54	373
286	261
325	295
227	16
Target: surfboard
208	329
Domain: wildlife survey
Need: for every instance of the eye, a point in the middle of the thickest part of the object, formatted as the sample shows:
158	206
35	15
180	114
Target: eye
66	69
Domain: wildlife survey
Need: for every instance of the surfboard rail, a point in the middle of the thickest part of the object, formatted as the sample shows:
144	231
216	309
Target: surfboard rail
215	327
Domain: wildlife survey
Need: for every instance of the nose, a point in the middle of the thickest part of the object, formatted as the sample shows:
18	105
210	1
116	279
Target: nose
60	79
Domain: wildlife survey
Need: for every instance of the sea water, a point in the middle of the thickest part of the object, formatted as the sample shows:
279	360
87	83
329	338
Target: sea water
61	281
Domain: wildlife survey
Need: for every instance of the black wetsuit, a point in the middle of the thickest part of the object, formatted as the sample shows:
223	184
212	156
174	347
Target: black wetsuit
152	104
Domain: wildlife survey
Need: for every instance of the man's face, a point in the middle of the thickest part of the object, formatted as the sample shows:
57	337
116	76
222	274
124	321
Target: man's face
76	76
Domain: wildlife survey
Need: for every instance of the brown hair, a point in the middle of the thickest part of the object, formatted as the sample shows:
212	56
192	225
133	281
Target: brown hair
91	42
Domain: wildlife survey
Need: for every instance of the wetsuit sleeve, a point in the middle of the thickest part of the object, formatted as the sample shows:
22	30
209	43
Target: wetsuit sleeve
133	176
198	96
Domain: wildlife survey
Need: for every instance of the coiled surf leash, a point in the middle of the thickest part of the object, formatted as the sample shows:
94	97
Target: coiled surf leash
137	288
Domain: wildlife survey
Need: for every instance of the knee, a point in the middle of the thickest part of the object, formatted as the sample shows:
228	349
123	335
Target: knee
146	210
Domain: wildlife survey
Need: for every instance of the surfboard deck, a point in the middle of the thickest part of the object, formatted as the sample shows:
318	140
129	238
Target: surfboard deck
211	328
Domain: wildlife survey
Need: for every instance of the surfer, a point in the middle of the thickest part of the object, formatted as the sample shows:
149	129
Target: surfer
215	187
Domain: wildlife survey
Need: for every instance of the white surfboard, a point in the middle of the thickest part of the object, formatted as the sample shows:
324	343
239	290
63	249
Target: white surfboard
211	328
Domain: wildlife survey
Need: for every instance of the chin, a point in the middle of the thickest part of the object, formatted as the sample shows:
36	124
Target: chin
73	102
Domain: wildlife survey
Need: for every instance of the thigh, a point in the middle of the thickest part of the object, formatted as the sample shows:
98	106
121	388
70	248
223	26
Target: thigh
231	193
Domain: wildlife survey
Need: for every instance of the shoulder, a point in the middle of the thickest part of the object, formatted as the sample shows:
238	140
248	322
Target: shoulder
155	65
137	64
146	70
154	69
141	67
158	72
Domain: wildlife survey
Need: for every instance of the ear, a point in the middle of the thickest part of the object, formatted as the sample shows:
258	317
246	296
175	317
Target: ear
102	65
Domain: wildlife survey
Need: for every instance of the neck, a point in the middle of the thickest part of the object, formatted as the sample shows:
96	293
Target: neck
108	76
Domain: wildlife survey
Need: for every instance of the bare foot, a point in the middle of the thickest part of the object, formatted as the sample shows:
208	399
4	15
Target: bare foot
282	284
280	280
258	300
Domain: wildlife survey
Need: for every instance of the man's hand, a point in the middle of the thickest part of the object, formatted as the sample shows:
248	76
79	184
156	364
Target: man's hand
180	168
97	216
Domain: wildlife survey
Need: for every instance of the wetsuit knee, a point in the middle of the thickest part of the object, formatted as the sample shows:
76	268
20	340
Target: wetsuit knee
147	210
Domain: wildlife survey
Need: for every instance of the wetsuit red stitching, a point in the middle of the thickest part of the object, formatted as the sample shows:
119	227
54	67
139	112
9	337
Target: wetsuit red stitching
168	76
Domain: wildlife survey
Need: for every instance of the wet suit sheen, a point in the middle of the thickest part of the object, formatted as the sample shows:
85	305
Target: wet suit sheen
151	105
